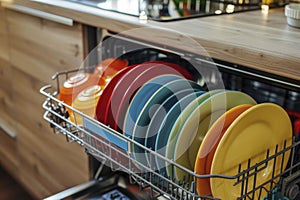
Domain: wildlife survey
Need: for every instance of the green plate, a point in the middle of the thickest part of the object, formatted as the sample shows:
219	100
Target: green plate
174	122
192	132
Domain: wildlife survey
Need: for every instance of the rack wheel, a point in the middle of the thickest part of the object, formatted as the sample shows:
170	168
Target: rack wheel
292	191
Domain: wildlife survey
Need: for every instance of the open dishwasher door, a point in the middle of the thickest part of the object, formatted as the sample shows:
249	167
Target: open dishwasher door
115	187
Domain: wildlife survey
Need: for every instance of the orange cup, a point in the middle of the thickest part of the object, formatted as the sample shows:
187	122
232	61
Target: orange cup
75	84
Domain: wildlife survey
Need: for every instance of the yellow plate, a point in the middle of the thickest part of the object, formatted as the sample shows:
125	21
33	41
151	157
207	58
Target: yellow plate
209	145
259	128
194	129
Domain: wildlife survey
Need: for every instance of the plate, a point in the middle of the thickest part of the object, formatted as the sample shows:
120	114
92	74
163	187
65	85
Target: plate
123	89
182	70
102	105
140	99
137	103
161	94
126	89
192	132
158	117
209	145
261	127
163	135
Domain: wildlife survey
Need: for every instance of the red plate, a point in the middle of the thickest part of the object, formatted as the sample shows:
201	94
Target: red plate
102	108
118	91
131	82
179	68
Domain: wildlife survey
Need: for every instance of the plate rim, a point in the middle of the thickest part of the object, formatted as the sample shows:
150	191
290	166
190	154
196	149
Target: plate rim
138	70
155	115
229	133
159	90
214	136
187	110
102	105
226	94
134	99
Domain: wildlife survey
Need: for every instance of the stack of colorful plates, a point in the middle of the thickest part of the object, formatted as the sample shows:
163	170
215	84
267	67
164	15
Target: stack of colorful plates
147	100
113	103
170	115
193	123
206	132
250	133
161	107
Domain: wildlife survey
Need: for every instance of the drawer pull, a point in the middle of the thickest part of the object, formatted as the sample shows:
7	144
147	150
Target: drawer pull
8	131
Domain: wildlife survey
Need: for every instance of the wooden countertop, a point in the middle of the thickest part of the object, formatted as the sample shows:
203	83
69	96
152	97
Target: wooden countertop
253	39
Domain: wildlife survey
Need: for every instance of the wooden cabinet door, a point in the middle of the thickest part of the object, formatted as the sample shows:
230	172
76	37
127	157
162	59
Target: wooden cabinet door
8	146
38	49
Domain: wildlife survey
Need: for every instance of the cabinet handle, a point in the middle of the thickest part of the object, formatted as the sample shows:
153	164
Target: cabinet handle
8	131
41	14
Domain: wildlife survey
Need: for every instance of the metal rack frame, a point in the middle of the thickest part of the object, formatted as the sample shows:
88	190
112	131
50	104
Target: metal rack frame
118	157
111	148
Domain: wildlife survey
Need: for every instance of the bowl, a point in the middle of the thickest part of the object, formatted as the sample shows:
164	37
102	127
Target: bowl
292	12
75	84
109	67
72	86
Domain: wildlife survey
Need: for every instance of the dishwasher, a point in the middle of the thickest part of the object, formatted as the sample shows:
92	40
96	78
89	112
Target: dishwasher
113	169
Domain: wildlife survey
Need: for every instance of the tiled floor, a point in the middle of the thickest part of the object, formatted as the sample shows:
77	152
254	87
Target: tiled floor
10	189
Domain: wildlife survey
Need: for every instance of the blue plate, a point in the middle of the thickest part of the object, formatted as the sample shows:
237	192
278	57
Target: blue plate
140	99
143	120
160	114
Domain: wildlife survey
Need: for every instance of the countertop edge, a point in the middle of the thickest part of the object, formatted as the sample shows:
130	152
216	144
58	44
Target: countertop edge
275	62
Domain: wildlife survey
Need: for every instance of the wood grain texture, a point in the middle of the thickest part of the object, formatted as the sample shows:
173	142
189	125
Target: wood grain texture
43	47
3	36
6	96
10	189
38	49
253	39
9	153
8	145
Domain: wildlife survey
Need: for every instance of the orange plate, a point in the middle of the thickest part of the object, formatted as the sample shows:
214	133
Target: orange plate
209	145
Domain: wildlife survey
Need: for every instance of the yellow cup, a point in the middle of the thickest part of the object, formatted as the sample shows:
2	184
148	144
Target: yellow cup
86	102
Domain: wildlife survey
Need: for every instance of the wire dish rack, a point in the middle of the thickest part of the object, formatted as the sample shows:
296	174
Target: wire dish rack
112	149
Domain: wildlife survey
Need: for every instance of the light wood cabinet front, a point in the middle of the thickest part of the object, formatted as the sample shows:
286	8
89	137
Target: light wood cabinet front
38	49
8	147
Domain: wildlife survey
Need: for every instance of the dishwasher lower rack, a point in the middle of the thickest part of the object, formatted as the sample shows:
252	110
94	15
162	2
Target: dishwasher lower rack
113	149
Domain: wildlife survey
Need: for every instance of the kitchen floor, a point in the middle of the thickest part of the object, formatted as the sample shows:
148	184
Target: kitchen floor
10	189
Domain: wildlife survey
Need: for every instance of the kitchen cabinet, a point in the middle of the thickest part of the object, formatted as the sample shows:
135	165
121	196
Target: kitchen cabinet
35	49
8	150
